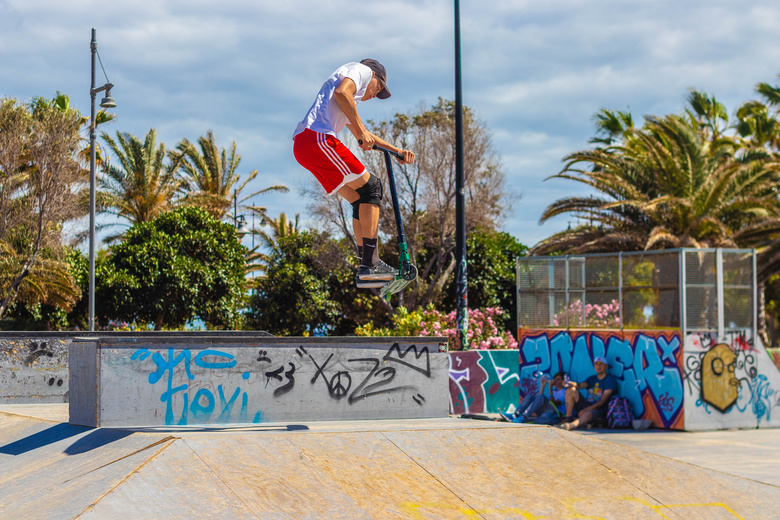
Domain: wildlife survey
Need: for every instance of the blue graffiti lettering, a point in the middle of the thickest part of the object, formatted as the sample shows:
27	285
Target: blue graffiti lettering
648	369
201	362
536	352
227	406
560	349
167	398
201	412
669	348
166	366
619	356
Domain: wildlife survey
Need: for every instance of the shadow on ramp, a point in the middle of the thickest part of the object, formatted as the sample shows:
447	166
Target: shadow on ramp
231	428
51	435
94	440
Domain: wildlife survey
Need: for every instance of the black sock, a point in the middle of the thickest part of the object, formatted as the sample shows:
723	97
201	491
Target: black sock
370	255
360	252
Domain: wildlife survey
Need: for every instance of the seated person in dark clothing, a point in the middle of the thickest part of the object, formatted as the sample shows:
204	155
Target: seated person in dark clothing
601	387
549	399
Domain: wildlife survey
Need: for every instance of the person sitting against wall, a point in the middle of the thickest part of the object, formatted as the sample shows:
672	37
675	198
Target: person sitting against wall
601	387
548	402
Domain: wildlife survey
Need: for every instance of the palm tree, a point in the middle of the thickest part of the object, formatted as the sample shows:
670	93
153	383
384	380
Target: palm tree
676	182
760	129
49	280
209	175
708	112
142	186
282	227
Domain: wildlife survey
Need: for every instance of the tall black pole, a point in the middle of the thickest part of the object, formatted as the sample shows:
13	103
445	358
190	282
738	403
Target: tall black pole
460	199
92	92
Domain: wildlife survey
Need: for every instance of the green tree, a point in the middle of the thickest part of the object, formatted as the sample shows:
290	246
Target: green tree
492	274
293	298
142	186
181	266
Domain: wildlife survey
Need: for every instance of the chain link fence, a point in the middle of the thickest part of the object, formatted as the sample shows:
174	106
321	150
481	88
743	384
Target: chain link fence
710	290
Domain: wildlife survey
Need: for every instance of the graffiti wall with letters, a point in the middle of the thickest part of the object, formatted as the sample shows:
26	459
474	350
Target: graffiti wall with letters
731	383
220	384
483	381
648	366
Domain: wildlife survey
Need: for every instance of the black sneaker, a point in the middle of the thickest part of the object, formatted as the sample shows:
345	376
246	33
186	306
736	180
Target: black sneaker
380	271
369	284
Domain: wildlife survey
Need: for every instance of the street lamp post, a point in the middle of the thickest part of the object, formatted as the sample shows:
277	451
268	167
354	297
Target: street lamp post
106	102
461	280
239	221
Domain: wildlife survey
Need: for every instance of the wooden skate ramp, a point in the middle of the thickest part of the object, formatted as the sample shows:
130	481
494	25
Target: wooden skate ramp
419	469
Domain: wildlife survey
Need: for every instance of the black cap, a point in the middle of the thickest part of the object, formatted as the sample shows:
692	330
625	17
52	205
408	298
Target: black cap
381	75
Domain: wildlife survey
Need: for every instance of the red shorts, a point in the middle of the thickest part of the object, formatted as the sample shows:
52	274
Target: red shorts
327	158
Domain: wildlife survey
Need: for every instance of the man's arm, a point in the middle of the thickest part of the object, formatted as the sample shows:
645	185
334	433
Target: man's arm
345	98
605	396
543	384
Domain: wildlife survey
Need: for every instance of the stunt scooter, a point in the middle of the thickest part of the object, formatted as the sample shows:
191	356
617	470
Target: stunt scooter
407	272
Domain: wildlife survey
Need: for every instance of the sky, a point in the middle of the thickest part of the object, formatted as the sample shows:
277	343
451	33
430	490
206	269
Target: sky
534	73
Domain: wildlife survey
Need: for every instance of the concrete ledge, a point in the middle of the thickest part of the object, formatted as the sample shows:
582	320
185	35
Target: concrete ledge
126	381
34	364
33	368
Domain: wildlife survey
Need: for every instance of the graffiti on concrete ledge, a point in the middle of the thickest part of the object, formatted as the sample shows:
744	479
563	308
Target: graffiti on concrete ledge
211	386
724	377
646	364
483	381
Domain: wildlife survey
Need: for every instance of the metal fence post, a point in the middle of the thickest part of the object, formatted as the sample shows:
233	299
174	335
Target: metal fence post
620	288
755	299
683	296
551	287
720	293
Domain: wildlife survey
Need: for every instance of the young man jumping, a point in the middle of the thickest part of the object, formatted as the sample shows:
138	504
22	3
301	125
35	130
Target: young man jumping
318	149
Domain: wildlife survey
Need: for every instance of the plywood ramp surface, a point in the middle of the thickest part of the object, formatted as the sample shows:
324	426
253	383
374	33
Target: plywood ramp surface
403	471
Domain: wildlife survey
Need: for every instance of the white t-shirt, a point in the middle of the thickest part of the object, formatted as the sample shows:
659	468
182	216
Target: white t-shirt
325	116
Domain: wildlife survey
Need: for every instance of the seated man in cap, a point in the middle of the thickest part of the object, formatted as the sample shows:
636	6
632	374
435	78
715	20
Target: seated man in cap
601	387
317	148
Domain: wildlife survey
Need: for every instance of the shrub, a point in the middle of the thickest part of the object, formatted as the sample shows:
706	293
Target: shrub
484	327
606	316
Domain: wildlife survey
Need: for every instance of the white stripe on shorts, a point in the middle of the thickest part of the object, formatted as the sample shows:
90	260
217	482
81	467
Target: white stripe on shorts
332	155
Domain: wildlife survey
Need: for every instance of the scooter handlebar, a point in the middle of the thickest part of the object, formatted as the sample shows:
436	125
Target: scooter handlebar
377	147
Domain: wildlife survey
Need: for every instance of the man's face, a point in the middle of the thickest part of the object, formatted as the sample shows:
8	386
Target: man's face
374	87
558	381
600	367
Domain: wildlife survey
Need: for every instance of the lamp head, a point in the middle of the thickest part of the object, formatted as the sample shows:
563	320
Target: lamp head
108	101
241	228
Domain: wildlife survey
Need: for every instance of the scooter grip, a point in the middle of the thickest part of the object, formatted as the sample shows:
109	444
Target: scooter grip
377	147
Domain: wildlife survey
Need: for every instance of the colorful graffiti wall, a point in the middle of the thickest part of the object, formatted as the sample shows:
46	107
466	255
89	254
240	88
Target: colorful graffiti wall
483	381
647	365
732	383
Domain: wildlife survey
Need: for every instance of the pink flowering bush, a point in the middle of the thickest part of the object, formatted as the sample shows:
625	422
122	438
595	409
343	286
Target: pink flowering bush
605	316
483	327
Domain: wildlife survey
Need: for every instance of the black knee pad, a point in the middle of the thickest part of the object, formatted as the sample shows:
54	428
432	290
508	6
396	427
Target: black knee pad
371	192
356	209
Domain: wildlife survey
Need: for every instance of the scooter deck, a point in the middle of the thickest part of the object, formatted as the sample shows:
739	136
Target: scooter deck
394	286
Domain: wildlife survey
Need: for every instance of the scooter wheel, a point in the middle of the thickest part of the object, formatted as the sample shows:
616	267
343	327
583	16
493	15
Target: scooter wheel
409	273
